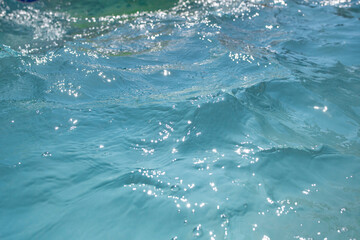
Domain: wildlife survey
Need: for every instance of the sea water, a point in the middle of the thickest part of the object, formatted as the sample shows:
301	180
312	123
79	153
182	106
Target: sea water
189	119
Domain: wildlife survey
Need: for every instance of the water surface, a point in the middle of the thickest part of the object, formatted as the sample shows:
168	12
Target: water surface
197	119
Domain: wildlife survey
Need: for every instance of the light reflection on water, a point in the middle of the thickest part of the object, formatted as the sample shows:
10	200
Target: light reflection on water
184	120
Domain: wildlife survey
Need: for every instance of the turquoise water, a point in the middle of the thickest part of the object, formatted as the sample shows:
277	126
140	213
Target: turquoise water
197	119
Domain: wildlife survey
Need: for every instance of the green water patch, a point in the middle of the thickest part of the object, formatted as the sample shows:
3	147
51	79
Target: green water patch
100	8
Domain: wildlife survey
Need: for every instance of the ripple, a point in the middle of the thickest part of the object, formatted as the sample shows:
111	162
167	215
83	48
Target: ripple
198	232
209	118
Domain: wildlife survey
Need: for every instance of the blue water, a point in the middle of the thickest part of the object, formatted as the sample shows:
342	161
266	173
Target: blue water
197	119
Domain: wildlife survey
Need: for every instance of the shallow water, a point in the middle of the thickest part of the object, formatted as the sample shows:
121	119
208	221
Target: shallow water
199	119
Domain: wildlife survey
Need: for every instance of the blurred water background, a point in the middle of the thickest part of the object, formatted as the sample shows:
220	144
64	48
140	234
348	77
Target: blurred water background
189	119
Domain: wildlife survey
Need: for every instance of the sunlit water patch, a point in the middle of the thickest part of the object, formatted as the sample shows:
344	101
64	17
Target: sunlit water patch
198	119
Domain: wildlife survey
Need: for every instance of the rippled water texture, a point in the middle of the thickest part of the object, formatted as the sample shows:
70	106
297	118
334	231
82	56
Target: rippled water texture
197	119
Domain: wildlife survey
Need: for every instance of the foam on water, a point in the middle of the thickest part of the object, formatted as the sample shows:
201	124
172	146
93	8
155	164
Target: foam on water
197	119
